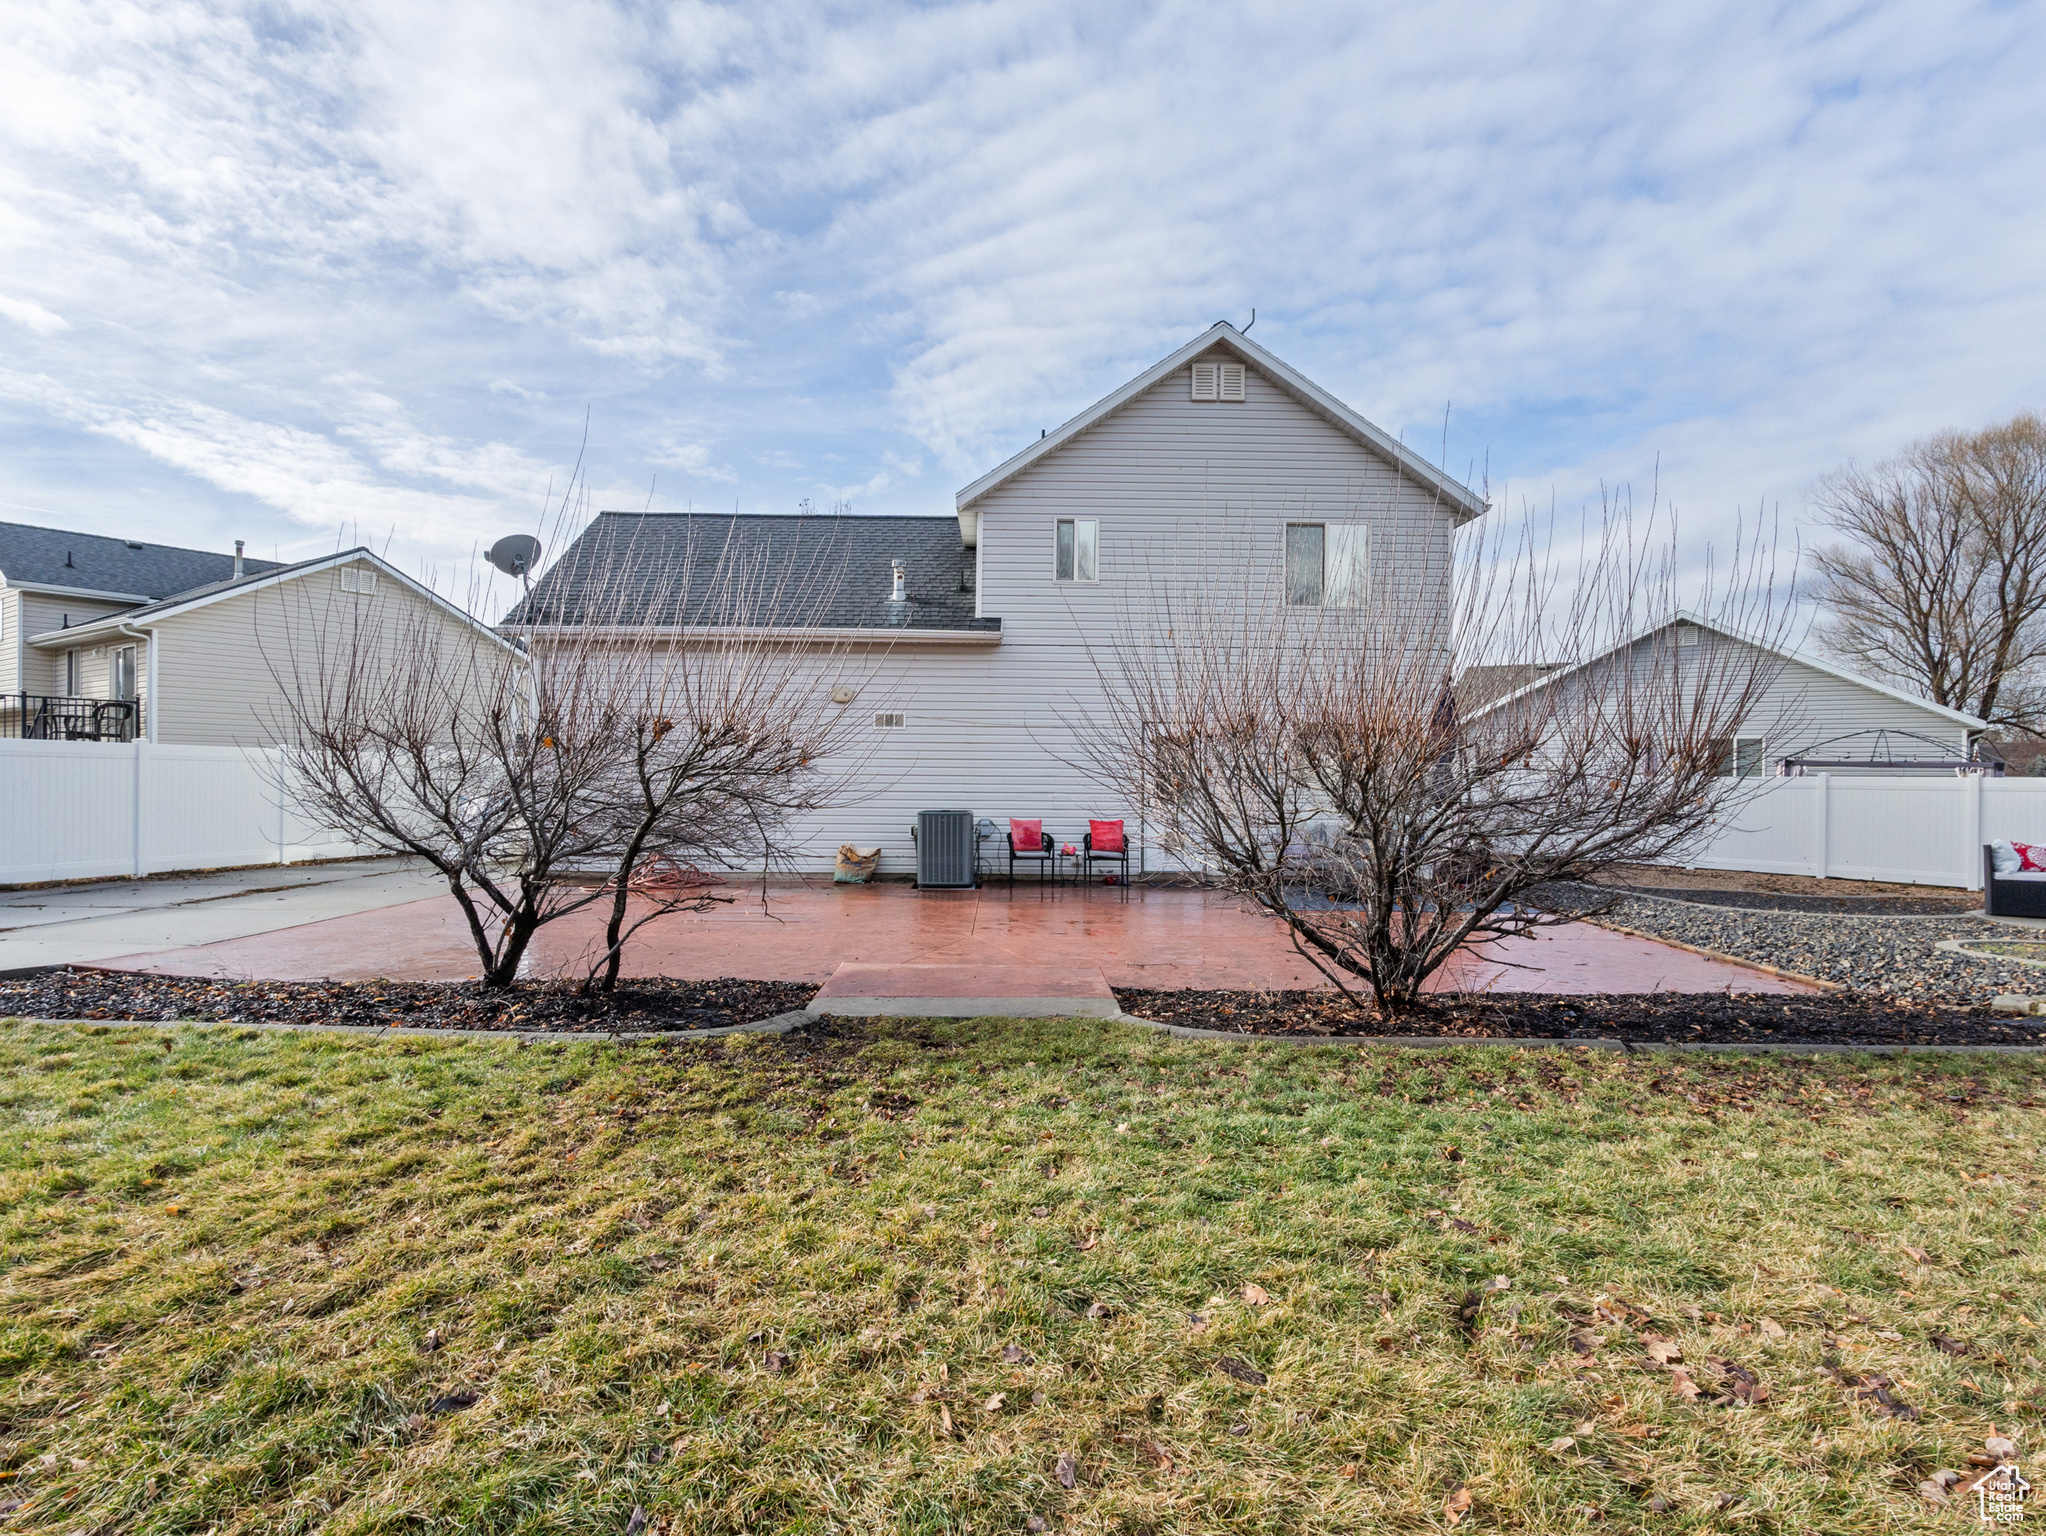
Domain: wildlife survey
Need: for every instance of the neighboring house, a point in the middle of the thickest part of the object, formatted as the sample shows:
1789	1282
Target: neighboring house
1217	464
109	639
1811	717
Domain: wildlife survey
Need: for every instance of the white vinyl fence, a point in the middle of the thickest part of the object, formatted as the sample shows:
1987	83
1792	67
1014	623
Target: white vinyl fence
76	810
1920	831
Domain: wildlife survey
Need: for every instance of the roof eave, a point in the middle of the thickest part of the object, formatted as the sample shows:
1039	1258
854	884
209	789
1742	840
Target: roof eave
1465	503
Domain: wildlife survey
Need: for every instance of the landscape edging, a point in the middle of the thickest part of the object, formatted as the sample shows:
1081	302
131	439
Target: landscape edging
1713	954
777	1024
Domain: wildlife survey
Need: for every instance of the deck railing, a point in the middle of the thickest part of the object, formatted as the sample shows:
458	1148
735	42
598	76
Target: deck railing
65	717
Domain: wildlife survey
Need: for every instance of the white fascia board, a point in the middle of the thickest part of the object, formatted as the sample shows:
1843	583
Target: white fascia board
174	609
1968	721
1465	502
44	589
628	633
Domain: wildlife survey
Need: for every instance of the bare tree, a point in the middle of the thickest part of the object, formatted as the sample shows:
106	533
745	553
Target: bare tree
1312	760
1941	585
648	722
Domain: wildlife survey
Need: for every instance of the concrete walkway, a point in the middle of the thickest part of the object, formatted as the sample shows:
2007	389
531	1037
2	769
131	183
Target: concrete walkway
82	924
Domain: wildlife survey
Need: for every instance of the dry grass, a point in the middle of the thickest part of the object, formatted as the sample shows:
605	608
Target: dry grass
223	1262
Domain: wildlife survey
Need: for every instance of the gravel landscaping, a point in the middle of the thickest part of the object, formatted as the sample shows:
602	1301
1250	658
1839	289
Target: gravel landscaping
1889	955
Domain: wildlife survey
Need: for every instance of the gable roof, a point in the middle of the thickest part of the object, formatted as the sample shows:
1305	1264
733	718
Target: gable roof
670	569
1461	499
1557	673
89	562
184	602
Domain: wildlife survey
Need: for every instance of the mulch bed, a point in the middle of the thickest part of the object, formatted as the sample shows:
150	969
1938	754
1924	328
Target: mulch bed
640	1004
1744	1018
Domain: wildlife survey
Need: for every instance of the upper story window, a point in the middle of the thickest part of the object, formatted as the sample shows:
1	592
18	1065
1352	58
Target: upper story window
1075	552
1218	381
1327	565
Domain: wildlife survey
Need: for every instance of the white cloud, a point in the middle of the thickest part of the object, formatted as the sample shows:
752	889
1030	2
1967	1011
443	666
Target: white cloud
377	262
34	316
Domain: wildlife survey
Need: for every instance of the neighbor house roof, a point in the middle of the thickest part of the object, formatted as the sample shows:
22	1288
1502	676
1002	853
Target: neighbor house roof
1479	686
184	602
675	569
1461	499
1557	672
90	562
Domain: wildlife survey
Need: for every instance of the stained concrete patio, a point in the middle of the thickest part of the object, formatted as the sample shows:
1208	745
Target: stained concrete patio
1160	937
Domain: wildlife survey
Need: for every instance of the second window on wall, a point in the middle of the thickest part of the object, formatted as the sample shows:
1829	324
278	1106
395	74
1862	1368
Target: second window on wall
1076	549
1327	565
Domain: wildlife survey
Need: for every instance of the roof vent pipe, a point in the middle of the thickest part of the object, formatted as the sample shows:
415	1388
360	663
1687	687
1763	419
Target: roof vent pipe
898	599
237	559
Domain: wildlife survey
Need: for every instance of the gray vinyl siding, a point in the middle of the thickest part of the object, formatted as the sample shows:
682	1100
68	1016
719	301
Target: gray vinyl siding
42	669
218	672
11	642
1187	494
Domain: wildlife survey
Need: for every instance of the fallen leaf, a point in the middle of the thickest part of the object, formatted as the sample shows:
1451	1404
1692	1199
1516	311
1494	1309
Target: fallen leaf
636	1523
1888	1333
1033	1522
1195	1321
1453	1156
994	1404
1248	1374
1771	1329
1561	1444
1068	1470
775	1361
1089	1243
1457	1505
1100	1309
1932	1492
454	1402
1681	1383
1917	1255
1499	1283
1461	1225
944	1421
1728	1500
1256	1295
1160	1456
1347	1469
432	1341
2002	1447
1013	1354
1948	1346
1663	1351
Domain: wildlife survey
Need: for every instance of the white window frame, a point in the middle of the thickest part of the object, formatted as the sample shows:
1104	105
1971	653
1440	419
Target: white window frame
1736	742
1357	538
114	673
1086	551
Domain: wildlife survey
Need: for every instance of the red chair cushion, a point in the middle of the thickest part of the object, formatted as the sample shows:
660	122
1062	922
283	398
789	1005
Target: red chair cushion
1028	836
1107	836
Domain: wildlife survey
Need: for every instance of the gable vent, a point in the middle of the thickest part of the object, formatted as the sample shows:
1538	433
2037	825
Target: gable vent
1218	381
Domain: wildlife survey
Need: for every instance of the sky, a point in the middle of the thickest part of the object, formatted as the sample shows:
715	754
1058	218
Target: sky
386	272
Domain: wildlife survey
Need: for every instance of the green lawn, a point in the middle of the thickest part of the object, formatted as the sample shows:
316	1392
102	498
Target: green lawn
759	1285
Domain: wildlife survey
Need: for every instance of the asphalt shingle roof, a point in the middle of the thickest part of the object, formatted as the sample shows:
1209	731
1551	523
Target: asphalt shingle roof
812	572
54	557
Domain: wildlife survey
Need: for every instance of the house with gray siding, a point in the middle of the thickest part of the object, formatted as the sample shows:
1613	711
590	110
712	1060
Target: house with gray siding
971	646
108	639
1808	716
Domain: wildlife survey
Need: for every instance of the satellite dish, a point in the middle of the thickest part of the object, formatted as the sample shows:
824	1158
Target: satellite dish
515	553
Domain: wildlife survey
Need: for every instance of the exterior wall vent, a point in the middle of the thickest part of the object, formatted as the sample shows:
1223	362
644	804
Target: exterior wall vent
888	720
355	579
1218	381
944	848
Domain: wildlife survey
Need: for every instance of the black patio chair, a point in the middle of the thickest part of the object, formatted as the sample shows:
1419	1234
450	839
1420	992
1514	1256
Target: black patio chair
1105	844
1029	844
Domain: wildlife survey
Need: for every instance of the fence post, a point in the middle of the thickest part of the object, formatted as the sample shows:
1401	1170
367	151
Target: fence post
1824	831
1971	856
135	811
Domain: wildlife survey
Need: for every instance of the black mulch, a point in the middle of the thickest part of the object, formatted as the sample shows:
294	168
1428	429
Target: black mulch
1842	1018
642	1004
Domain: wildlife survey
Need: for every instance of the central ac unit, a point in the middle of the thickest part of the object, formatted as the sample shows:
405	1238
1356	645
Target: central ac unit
944	849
